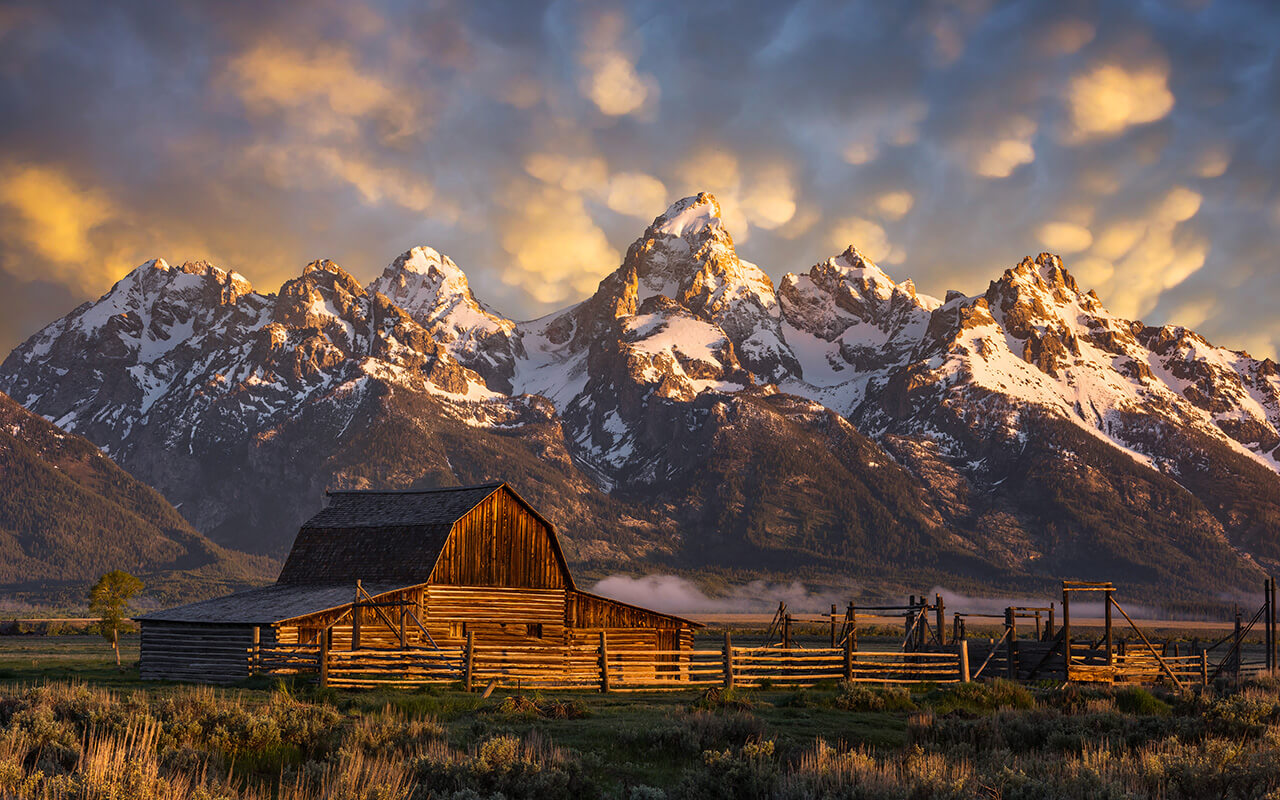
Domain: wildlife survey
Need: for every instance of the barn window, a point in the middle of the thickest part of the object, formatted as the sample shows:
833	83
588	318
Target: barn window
535	630
457	630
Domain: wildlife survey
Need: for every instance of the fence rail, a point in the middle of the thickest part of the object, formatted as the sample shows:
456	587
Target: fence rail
593	667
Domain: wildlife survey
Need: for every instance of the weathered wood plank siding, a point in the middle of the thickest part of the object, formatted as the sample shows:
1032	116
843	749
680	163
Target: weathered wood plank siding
198	652
501	543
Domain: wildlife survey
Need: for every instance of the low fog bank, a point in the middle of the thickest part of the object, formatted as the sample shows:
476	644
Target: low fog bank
676	595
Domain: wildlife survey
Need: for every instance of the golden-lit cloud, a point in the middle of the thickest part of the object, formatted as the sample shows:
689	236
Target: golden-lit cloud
637	194
56	215
73	232
1118	238
1133	262
556	251
769	199
1064	237
611	80
310	167
328	90
1109	98
868	237
763	198
895	205
571	173
1212	162
1001	148
1179	205
1003	157
867	136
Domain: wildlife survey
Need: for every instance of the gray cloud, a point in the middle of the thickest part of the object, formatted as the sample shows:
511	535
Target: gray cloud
265	136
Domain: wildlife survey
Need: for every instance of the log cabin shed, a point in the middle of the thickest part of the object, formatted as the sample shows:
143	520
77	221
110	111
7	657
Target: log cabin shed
432	566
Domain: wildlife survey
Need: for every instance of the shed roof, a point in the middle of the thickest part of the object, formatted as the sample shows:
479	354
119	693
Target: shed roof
269	604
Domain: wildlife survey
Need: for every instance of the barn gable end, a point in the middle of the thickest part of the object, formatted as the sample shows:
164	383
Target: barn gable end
502	541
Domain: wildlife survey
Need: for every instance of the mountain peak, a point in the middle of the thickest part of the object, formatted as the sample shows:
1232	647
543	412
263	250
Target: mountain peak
689	215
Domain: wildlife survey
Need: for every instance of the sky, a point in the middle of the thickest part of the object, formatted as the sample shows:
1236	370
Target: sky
533	142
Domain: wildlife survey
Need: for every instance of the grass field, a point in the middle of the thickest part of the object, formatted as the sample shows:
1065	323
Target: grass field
72	726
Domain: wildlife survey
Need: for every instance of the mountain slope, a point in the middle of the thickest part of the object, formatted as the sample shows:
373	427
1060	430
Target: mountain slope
689	414
68	514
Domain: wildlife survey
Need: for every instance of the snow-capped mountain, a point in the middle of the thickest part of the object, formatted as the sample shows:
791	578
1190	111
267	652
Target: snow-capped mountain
688	412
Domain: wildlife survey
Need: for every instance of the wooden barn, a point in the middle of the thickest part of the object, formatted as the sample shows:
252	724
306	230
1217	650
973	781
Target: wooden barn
400	571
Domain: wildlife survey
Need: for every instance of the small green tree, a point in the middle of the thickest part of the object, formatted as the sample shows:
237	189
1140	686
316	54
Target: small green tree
109	602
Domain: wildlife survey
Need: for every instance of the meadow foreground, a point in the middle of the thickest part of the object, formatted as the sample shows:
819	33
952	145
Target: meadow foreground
96	733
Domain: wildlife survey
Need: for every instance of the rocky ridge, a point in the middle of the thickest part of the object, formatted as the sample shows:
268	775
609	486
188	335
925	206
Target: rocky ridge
974	425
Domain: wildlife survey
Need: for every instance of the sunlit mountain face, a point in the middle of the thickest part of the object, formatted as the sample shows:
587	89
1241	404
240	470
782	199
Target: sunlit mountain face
945	140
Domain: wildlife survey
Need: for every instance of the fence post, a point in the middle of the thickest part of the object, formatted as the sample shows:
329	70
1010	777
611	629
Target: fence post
833	625
355	618
1204	668
326	641
1011	668
1235	661
1066	633
1111	658
786	631
728	661
1048	629
255	658
853	625
940	618
469	661
964	661
604	663
1272	604
848	659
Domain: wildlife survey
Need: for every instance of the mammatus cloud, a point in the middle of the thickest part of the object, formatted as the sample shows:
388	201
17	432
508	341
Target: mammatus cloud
1133	262
555	249
610	79
869	237
636	194
1108	98
895	205
1065	237
532	141
325	90
1010	149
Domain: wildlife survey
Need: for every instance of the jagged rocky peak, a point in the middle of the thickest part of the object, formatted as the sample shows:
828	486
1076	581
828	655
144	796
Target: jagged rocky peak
690	217
325	297
688	256
846	290
435	292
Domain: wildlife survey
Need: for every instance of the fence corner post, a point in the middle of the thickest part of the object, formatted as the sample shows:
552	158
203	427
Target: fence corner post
604	663
728	661
848	658
256	658
468	662
964	661
1204	667
326	641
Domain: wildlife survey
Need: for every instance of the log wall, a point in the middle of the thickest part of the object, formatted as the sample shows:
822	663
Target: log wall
198	652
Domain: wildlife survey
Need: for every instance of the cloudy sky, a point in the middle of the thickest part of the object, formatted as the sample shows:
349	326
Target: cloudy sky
533	142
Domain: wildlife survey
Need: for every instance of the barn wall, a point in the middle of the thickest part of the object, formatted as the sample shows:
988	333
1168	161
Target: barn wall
497	615
197	652
500	543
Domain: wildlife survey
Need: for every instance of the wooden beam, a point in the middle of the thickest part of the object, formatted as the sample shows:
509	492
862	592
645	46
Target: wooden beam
1142	636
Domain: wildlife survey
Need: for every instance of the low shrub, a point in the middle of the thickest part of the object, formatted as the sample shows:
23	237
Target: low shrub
859	697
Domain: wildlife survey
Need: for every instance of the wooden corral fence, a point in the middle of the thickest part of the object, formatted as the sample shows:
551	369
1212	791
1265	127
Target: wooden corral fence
929	653
605	669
